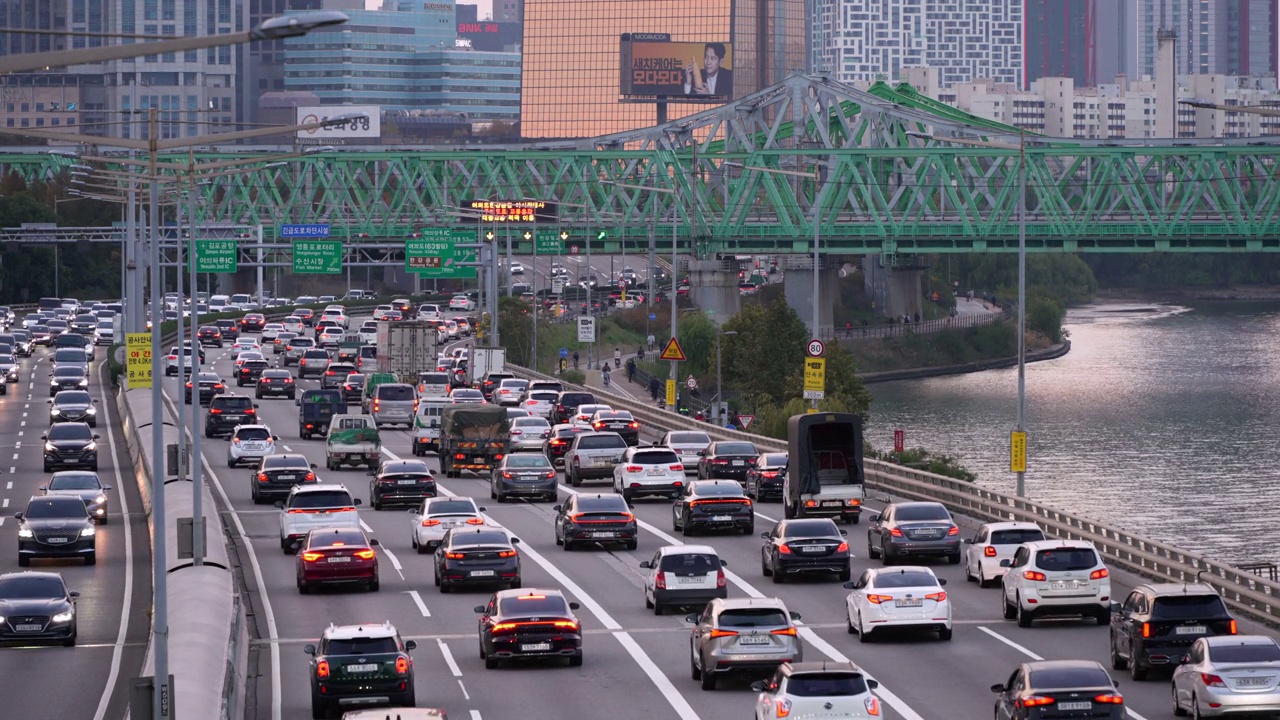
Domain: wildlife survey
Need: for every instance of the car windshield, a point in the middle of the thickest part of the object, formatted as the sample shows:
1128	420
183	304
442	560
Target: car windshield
1245	653
526	605
31	587
1015	537
1188	607
656	457
920	512
528	460
70	431
233	403
68	372
451	507
59	507
329	538
753	617
362	646
689	563
905	578
284	461
601	442
253	433
688	438
72	397
817	528
827	684
1065	559
1068	678
76	481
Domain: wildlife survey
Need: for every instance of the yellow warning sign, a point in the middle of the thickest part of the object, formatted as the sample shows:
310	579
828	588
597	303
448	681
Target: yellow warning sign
815	378
671	393
138	359
673	351
1017	452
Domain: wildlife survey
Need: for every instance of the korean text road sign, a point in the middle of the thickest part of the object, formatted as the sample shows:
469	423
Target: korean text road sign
547	242
436	255
586	329
899	440
216	256
304	231
671	393
138	359
815	378
1017	452
317	257
673	351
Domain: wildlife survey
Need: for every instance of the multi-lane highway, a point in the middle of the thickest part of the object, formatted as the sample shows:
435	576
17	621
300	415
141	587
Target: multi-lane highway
636	664
90	680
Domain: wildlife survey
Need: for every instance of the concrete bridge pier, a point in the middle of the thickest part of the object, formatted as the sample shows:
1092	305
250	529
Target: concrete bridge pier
894	291
713	286
797	286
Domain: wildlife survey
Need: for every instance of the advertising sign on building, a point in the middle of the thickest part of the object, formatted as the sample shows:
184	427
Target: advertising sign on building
696	71
369	126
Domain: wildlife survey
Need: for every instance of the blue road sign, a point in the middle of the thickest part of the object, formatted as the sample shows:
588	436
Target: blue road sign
304	231
564	352
652	316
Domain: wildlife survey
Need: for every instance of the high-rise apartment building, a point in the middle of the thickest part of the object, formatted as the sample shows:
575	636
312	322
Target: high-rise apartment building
1227	37
570	83
1060	40
858	40
261	64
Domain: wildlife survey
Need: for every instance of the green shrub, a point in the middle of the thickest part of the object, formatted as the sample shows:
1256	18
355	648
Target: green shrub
576	377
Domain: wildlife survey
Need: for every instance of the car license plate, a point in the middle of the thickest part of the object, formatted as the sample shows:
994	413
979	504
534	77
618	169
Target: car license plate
406	482
603	534
253	446
908	603
1071	585
287	478
929	533
689	580
535	647
739	463
28	628
478	459
1253	682
69	460
656	471
604	462
813	548
1075	706
481	573
56	540
341	559
1190	630
832	503
368	667
753	640
721	518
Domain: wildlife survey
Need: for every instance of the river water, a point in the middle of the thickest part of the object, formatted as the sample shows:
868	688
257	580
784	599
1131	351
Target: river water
1162	419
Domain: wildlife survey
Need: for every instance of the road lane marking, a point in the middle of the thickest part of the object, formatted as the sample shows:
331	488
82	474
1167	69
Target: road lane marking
5	503
475	714
448	658
417	600
395	562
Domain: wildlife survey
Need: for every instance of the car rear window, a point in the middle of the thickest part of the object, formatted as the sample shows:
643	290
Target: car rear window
904	578
451	507
433	378
322	499
565	432
543	396
394	393
1063	559
284	461
327	538
599	442
656	457
1246	653
689	437
1015	537
361	646
481	538
311	354
921	512
525	605
302	342
1188	607
826	684
606	503
576	399
732	448
689	563
819	527
753	617
528	460
774	460
256	433
1068	678
729	489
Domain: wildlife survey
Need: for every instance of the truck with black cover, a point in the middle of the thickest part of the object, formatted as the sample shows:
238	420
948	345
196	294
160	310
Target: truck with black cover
473	437
316	409
824	473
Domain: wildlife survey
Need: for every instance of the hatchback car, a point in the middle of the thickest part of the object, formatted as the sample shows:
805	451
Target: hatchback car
56	527
648	472
73	406
541	403
477	556
509	391
523	475
337	556
742	635
913	529
595	518
359	666
682	575
294	350
902	598
816	689
400	482
992	543
313	362
707	505
276	383
1157	623
70	445
519	624
436	516
1231	675
803	547
1058	688
38	608
585	413
249	444
1056	578
82	484
727	459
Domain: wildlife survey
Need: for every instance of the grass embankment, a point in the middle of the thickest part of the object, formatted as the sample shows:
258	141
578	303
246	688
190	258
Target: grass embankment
939	349
612	335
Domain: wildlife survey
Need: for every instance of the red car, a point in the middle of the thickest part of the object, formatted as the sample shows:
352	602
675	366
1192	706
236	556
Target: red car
337	556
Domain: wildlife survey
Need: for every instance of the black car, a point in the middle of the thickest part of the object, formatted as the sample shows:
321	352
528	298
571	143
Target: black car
477	556
56	526
805	546
230	329
73	406
210	335
518	624
253	322
249	372
228	411
567	405
274	382
528	474
595	518
36	606
210	386
491	382
68	377
727	459
560	441
70	445
353	388
713	505
1158	622
336	375
618	421
765	476
277	474
400	482
1040	690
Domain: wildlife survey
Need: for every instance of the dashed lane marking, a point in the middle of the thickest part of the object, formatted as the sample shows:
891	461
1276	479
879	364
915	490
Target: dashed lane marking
448	658
417	600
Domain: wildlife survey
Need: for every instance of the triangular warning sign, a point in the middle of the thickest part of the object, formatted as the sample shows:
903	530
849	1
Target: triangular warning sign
745	420
673	351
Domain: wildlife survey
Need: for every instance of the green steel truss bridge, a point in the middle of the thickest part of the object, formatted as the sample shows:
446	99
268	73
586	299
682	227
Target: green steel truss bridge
877	170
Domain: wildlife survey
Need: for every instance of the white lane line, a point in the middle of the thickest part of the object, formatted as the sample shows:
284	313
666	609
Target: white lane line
22	423
395	562
287	448
16	446
417	600
127	603
475	715
466	695
1	520
5	503
448	658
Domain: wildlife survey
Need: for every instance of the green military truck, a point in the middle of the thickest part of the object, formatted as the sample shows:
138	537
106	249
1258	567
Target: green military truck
473	437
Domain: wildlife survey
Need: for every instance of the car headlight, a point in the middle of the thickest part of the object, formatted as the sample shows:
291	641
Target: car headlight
49	447
53	383
100	499
91	446
88	532
55	411
84	382
25	532
64	617
91	411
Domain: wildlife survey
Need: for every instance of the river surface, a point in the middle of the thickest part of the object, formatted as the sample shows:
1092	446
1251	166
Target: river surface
1162	419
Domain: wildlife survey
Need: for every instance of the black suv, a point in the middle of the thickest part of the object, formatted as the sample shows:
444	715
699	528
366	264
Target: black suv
277	474
56	527
249	372
70	445
228	411
400	482
1157	623
230	329
210	335
567	405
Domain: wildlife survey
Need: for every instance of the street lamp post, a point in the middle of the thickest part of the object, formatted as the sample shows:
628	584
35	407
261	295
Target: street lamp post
719	390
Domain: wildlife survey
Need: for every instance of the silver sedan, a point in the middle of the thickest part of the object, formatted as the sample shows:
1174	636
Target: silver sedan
1229	675
529	433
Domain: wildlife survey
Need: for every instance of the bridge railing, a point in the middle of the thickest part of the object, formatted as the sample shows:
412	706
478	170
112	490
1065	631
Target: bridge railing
1246	592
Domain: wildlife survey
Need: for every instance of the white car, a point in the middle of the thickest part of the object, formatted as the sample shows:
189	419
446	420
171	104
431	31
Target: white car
312	506
337	315
516	268
1056	578
331	336
104	333
436	515
451	329
539	403
689	445
270	331
248	355
292	324
907	596
992	543
428	313
368	336
171	360
385	312
243	343
585	413
816	689
529	433
680	575
648	472
509	391
250	443
462	302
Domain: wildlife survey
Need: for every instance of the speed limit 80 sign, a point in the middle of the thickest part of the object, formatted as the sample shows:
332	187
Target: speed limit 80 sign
369	126
816	348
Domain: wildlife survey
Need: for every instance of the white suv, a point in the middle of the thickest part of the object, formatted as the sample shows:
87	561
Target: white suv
649	471
250	443
683	575
427	313
313	506
992	543
816	689
1054	578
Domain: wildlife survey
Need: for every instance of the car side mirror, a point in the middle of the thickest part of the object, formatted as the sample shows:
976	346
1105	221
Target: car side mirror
1185	659
1006	563
515	541
557	508
646	564
844	532
574	606
373	542
309	649
967	541
942	581
17	516
74	593
410	645
482	508
275	437
280	504
997	688
702	453
48	402
1115	607
255	405
44	487
358	501
372	473
873	684
106	487
96	436
691	618
724	563
874	518
758	686
850	585
764	536
794	615
44	437
297	401
313	466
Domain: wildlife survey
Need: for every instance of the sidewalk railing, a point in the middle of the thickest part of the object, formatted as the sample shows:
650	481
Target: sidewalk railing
900	329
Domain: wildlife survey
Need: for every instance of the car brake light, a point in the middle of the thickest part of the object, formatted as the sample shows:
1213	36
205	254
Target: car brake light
365	554
322	669
769	474
312	556
872	703
782	708
660	581
507	553
597	425
1231	629
723	633
173	357
558	441
188	386
430	522
262	477
877	599
215	411
989	551
250	411
784	550
217	386
784	631
507	475
1098	574
954	530
1035	701
455	555
895	532
634	468
1034	575
402	665
844	547
936	597
1109	699
1211	680
475	521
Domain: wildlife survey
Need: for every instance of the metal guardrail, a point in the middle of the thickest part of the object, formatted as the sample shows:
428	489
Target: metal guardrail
1250	594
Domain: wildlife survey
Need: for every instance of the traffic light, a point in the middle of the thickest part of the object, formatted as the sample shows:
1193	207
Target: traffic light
600	235
564	235
528	235
488	235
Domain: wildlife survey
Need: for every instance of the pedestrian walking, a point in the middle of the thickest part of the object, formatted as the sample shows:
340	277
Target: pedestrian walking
575	359
653	342
631	369
653	388
917	317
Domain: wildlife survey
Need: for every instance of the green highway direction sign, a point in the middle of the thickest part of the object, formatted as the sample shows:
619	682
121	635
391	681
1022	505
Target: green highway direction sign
216	256
434	256
317	257
547	242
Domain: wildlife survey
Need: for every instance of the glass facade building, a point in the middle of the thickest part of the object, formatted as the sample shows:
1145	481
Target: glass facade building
1060	41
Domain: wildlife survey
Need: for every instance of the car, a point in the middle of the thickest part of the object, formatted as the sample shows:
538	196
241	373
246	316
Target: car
292	324
1157	623
340	672
226	413
1056	689
337	314
431	520
9	369
595	518
353	387
541	403
278	473
210	335
253	322
804	546
330	336
210	386
523	474
245	343
23	348
516	269
56	526
230	329
586	412
534	623
250	443
467	395
528	432
297	346
727	459
314	506
491	382
67	377
1228	675
307	315
707	505
313	362
104	332
82	484
38	607
621	422
402	306
689	445
648	472
909	597
275	382
73	406
566	405
683	575
912	529
743	636
509	391
816	689
70	445
399	482
764	478
393	404
1055	578
462	302
465	326
384	312
336	374
281	343
469	556
270	332
992	543
429	312
593	455
336	556
250	356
